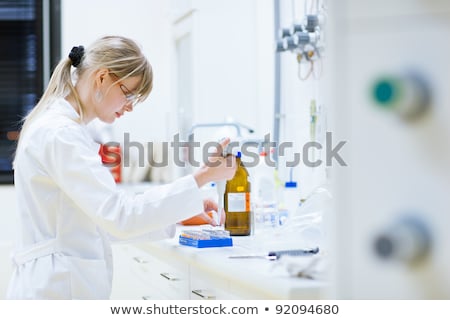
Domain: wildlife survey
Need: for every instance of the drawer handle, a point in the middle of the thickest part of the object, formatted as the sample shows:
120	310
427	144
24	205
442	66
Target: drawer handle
169	277
204	294
140	260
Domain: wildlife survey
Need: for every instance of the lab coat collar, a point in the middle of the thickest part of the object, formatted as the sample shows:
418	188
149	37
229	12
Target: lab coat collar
63	107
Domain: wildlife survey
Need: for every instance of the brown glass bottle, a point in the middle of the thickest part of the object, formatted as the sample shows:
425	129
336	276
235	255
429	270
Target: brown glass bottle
237	202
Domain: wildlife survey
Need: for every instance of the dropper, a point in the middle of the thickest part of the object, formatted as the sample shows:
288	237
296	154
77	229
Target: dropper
221	185
220	192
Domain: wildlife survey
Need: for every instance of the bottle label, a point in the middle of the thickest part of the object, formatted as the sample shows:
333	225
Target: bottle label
239	202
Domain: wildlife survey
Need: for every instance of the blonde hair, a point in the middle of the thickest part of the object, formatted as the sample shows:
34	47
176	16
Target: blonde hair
120	55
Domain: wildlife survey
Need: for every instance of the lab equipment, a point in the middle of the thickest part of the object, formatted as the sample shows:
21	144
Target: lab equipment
237	201
306	225
205	238
289	202
407	240
290	199
406	93
220	186
303	38
309	267
275	255
392	205
264	193
264	180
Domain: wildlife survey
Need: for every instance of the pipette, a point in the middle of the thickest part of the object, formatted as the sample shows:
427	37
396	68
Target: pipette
221	185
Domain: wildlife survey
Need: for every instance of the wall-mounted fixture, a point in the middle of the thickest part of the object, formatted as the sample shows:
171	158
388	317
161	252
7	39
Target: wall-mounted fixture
305	39
407	94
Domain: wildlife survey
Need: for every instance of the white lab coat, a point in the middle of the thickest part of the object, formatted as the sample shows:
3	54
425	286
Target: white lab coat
69	206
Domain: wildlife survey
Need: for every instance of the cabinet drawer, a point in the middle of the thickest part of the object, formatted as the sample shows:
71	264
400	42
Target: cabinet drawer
171	282
208	287
127	285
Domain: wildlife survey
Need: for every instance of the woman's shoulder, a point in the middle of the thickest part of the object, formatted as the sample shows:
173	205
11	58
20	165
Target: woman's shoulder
58	115
56	123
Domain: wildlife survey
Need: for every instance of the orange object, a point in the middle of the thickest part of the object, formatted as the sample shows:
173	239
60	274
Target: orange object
197	220
112	158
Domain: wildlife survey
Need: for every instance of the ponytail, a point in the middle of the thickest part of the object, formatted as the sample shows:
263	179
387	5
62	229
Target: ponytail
120	55
60	85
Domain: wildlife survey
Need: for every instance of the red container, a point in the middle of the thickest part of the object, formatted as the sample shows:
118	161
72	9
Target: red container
112	158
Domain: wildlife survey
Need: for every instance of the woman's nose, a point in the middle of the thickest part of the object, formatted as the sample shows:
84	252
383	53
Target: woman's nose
128	107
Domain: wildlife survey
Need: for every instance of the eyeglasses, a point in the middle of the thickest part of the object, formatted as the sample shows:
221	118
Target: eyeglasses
129	95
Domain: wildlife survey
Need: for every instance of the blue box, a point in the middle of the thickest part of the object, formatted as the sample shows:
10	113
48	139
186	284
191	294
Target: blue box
206	243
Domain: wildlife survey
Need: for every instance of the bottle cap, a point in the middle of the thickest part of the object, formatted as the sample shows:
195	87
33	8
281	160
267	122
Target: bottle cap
290	184
239	154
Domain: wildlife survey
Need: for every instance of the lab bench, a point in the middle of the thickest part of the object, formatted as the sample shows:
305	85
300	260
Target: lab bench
167	270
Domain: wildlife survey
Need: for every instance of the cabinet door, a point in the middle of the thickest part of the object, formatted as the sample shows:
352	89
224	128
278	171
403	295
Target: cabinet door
205	286
127	285
166	280
139	275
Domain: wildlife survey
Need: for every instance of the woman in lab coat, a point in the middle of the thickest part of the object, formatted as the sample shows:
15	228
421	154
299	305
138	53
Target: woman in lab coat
69	206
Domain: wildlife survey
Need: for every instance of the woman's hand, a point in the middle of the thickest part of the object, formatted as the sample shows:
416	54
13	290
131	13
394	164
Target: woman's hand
210	205
218	168
207	217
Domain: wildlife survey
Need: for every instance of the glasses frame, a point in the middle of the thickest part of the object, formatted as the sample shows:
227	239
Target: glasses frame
129	95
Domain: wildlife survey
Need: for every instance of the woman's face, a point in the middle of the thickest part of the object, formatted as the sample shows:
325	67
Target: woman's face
113	100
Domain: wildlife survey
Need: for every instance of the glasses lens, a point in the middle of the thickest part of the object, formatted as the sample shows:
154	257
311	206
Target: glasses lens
131	97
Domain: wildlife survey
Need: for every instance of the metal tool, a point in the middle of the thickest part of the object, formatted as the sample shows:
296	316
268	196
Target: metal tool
275	255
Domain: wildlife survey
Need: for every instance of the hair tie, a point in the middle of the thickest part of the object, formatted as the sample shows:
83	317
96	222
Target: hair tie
76	54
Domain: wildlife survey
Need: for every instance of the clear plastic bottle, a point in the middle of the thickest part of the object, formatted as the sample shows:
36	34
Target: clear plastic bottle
265	180
308	220
290	202
264	194
237	202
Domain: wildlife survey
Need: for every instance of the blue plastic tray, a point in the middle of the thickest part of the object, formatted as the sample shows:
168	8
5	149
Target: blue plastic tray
197	243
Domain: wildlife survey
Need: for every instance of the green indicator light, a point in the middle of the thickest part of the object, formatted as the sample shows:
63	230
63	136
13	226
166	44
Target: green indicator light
385	92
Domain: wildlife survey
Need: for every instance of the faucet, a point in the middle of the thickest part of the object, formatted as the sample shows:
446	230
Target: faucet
236	125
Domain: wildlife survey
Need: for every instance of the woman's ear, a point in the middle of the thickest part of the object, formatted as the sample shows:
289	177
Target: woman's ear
100	76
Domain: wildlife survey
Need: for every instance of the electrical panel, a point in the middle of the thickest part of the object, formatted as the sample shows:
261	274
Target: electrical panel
391	103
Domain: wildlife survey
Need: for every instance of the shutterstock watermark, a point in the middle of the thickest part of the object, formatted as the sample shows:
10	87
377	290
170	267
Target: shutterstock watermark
183	153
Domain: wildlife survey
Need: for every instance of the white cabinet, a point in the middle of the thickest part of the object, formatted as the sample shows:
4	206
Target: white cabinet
126	283
166	270
168	282
139	275
205	286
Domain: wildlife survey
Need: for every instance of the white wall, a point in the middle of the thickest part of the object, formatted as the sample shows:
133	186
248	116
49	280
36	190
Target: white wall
232	58
232	66
233	61
147	22
296	96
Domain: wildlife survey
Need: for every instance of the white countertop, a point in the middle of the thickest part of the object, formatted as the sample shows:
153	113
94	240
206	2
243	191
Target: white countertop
248	278
252	278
